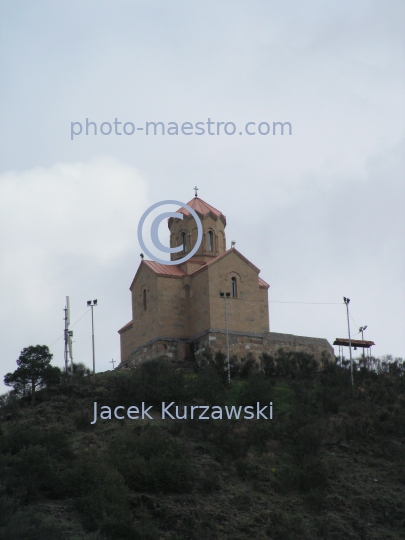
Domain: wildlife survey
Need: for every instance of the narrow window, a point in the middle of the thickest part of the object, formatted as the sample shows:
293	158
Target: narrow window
233	284
210	241
144	299
183	241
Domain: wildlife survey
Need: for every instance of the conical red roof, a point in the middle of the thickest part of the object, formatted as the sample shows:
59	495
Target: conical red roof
202	208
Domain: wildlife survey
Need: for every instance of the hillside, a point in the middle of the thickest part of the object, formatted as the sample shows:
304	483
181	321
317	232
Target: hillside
329	465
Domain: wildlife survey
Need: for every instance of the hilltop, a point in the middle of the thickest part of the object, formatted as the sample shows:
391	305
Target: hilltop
329	465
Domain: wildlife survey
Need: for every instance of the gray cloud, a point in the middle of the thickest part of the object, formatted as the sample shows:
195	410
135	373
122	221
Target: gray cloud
320	212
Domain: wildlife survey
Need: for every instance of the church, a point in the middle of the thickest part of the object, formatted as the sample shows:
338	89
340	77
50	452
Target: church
183	310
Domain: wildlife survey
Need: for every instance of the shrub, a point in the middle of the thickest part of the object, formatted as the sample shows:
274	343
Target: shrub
312	475
30	469
98	488
82	420
258	389
308	440
209	480
7	507
208	386
28	526
248	366
287	526
152	382
152	461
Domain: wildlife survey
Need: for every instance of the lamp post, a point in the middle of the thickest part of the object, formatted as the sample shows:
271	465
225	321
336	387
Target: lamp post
225	296
347	301
361	329
92	304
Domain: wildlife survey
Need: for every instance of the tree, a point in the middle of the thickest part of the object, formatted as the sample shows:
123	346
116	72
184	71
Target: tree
80	371
34	370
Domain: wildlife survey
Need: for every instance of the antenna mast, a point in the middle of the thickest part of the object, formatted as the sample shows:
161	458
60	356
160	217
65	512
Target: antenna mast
70	347
65	333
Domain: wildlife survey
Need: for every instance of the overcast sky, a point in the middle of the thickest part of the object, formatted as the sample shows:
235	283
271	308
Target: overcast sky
320	211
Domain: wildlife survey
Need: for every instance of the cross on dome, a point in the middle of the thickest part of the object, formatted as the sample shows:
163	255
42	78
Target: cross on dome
196	189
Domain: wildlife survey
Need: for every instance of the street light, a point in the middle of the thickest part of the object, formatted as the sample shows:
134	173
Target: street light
225	296
361	329
347	301
92	304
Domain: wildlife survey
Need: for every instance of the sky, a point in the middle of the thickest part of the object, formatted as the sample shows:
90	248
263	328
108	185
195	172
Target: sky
319	209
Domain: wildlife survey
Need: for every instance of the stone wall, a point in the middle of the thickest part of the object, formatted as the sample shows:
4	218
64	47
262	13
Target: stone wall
173	349
248	312
240	344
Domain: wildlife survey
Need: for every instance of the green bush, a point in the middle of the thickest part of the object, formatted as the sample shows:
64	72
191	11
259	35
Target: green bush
7	507
153	461
82	420
311	475
153	382
287	526
98	488
28	526
30	469
126	530
19	437
289	364
258	389
247	366
308	440
209	387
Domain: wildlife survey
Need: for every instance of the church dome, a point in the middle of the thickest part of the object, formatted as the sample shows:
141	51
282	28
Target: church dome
202	209
183	232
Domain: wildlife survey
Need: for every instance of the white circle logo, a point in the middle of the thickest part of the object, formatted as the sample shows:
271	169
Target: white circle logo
155	237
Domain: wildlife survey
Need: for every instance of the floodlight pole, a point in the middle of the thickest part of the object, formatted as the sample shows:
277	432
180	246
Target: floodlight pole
347	301
92	343
225	296
66	340
361	329
92	304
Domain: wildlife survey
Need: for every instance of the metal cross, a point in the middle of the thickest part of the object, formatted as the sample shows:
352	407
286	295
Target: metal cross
196	189
113	362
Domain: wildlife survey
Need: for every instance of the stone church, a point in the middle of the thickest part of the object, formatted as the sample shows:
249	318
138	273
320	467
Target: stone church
178	311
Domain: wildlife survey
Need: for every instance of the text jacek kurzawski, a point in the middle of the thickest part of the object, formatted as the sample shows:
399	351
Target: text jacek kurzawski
186	412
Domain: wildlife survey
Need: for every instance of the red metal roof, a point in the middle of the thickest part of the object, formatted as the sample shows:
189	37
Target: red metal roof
263	284
362	343
202	208
165	269
224	254
176	271
126	327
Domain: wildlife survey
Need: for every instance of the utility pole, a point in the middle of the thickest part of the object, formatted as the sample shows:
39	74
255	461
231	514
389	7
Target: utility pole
225	296
347	301
92	304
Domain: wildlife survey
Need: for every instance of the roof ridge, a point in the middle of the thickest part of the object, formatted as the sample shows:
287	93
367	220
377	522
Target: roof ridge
202	207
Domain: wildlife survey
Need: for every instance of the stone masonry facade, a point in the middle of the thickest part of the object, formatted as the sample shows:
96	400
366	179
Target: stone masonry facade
240	344
178	312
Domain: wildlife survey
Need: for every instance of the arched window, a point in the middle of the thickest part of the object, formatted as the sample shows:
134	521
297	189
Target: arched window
183	241
233	285
210	241
144	299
